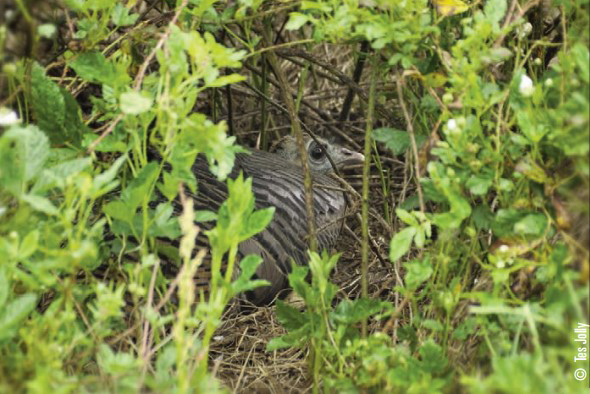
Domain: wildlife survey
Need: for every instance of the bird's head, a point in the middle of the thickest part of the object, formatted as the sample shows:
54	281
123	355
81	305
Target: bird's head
317	153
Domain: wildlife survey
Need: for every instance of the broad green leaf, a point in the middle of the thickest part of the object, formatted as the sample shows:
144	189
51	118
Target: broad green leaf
355	311
41	204
205	216
406	217
135	103
258	221
494	11
13	313
417	272
57	112
120	16
433	359
479	184
296	20
118	210
400	243
94	67
23	152
57	175
397	141
291	318
532	224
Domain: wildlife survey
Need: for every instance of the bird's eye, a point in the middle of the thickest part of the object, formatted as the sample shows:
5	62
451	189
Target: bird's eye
316	152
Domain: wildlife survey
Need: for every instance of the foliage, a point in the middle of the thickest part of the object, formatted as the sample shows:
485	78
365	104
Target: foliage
96	150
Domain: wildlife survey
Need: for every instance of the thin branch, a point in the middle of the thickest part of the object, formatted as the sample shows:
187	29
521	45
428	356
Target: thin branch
410	128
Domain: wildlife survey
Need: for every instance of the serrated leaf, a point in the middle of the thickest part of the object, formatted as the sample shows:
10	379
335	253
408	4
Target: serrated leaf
57	112
120	16
94	67
400	243
355	311
290	317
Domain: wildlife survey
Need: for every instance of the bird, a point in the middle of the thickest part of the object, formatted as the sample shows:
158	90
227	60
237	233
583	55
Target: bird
277	180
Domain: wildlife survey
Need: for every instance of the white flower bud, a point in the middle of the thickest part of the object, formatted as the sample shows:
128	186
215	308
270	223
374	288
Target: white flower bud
526	87
8	117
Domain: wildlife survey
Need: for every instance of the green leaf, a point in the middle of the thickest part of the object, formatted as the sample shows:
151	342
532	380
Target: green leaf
479	184
494	11
291	318
406	217
351	312
57	175
29	245
297	280
23	152
134	103
101	180
226	80
120	16
40	204
417	272
13	313
296	20
57	112
248	266
137	190
395	140
205	216
533	224
258	221
400	243
293	339
94	67
432	357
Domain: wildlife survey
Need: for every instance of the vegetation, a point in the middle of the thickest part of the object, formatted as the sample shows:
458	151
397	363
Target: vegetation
472	251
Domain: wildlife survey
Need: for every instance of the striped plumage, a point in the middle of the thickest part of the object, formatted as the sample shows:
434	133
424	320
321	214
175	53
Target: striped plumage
278	181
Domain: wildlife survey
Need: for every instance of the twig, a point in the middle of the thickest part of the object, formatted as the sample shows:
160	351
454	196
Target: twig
296	127
365	193
410	128
356	77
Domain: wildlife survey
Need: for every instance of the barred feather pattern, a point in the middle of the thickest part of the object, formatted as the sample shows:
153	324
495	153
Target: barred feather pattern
279	183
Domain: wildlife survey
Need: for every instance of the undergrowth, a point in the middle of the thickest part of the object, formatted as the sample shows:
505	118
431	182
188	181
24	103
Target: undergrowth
104	106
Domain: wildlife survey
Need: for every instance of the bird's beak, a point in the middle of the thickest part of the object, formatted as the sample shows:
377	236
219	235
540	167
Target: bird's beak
349	157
